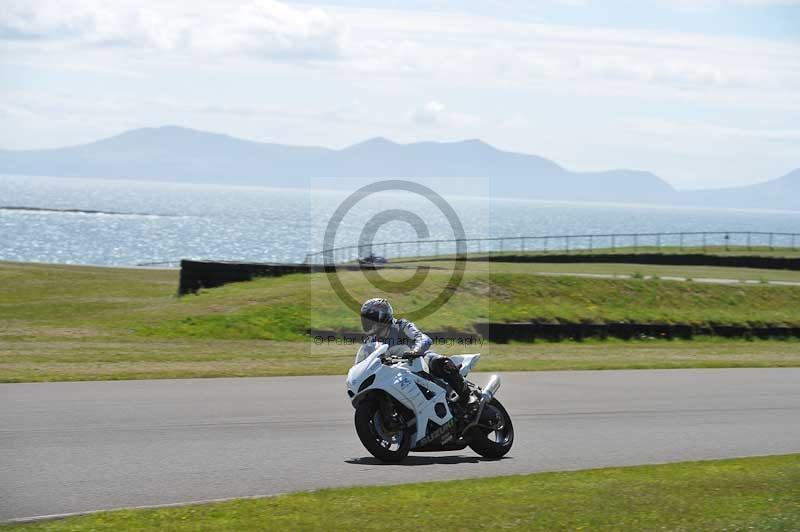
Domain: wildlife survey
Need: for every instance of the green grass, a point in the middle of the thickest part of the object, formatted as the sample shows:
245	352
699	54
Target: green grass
71	322
741	494
38	301
697	273
92	359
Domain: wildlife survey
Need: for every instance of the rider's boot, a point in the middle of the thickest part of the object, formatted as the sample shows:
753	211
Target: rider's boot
466	399
445	368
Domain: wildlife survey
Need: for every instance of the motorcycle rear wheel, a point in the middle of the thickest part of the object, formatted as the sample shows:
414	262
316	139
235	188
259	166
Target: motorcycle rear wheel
382	444
493	443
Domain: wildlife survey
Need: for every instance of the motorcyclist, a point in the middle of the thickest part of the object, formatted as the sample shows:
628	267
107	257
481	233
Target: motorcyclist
379	324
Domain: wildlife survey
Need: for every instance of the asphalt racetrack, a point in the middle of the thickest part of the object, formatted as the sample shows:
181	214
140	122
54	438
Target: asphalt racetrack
76	447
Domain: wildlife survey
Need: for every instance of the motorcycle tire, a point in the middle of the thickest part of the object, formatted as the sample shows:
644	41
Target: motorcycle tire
493	447
366	416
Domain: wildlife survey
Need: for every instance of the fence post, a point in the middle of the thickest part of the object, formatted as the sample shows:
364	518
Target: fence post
727	239
658	241
770	241
591	243
613	242
749	248
566	244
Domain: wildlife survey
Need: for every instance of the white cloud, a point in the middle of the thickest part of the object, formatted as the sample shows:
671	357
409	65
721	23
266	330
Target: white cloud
572	3
430	113
274	29
706	130
452	47
698	5
286	72
434	113
52	19
515	121
266	28
475	51
15	112
91	22
352	112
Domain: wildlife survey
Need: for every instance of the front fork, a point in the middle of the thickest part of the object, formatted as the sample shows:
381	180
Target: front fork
390	415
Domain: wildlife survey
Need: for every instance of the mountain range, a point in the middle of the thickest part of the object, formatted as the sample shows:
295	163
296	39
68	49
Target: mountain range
177	154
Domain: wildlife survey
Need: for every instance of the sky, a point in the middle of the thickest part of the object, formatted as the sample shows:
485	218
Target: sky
704	93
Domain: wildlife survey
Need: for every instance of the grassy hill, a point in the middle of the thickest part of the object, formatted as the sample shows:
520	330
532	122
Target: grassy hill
77	322
55	301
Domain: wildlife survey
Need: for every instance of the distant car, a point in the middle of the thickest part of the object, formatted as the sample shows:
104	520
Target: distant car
372	259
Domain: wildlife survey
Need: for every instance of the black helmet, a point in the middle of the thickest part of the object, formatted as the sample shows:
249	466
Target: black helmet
376	316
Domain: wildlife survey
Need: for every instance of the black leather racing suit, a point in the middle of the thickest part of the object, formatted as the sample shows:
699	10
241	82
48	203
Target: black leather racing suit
404	332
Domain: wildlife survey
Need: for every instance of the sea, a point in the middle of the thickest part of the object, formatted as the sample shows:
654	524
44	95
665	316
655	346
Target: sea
139	223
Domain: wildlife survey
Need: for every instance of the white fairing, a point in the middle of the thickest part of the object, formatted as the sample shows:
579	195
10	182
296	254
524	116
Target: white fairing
401	382
467	362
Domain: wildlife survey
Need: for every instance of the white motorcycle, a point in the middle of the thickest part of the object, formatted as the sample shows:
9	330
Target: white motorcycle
401	407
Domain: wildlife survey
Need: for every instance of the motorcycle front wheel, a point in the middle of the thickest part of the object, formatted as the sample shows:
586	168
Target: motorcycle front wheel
495	440
383	442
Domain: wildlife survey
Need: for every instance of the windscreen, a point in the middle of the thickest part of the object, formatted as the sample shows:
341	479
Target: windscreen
365	350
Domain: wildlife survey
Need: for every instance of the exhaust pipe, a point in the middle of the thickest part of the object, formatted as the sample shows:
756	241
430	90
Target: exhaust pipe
491	388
